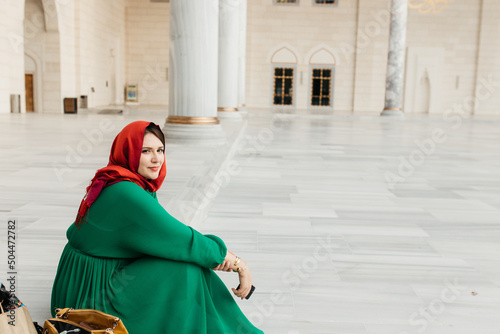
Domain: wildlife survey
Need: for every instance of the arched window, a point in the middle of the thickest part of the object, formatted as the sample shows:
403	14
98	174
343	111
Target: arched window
321	87
283	86
284	64
322	71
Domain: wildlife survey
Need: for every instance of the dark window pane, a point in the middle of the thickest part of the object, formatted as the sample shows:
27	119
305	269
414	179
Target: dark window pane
283	86
278	91
278	83
321	87
330	1
326	87
288	85
316	86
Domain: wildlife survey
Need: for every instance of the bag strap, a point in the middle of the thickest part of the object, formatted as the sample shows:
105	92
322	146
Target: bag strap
63	313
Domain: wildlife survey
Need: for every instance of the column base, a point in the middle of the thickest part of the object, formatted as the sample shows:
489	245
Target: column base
227	115
393	112
210	134
230	109
192	120
242	108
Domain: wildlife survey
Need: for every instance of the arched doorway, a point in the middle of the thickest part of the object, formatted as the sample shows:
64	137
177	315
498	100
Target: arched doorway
30	76
422	95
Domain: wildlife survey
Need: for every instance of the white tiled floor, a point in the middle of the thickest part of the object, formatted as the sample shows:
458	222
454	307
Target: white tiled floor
333	245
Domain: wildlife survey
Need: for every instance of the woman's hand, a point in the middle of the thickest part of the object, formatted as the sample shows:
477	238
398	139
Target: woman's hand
224	266
234	263
245	283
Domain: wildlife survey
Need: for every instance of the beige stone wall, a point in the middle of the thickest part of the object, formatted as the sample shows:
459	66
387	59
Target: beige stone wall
454	31
302	28
67	13
34	37
370	56
147	28
445	54
42	47
357	35
100	50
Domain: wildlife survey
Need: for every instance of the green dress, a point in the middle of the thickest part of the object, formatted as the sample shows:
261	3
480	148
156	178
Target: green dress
133	260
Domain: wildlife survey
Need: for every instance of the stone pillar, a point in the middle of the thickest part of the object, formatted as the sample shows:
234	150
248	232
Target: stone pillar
229	31
193	70
396	59
242	55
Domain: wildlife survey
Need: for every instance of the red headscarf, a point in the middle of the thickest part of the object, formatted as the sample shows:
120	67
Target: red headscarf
123	164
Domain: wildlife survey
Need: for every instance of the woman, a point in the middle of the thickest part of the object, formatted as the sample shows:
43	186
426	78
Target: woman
128	257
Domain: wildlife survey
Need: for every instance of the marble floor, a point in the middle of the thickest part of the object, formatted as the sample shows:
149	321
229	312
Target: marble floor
350	224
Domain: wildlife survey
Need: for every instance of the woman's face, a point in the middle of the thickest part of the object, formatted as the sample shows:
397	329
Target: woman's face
152	157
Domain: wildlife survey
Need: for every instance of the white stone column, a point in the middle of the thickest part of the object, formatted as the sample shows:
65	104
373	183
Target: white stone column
193	70
396	59
242	58
229	31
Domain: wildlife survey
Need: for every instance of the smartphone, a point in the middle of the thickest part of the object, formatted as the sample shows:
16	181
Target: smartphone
250	293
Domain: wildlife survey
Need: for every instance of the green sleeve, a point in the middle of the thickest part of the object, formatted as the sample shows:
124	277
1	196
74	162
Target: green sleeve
131	223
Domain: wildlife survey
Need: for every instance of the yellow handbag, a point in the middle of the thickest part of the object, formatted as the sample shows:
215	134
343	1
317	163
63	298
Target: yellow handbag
85	321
